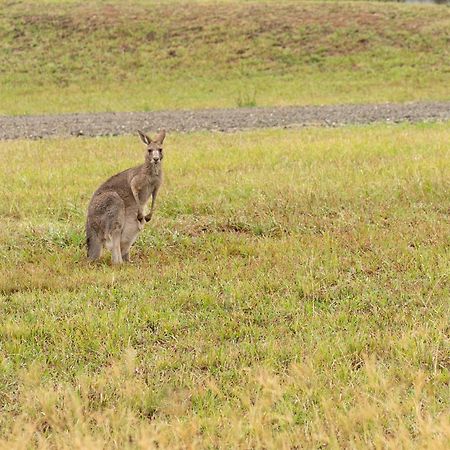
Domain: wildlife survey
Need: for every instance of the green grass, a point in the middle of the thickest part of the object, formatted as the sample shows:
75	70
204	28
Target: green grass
121	56
292	290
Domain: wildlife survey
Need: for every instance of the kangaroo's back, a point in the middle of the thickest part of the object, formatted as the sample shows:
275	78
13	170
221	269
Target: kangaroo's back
119	183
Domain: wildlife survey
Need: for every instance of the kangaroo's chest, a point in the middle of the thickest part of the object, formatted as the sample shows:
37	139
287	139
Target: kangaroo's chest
145	193
147	189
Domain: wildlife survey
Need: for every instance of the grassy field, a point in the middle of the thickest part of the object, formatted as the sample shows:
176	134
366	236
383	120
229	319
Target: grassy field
122	56
292	290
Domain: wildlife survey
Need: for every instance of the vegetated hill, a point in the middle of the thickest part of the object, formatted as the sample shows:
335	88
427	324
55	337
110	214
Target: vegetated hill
349	49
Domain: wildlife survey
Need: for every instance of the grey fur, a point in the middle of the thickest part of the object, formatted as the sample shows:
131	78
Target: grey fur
116	211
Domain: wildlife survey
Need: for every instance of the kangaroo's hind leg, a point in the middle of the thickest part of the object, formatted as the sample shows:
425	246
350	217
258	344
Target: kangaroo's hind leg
130	232
94	246
93	242
116	253
112	220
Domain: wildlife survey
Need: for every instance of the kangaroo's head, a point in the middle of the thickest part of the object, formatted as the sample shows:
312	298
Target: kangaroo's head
154	150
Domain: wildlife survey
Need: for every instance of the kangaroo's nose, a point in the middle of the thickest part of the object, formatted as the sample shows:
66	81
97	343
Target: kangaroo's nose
155	158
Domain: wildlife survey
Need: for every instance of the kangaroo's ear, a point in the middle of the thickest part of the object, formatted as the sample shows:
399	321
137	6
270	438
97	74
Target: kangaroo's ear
160	136
144	138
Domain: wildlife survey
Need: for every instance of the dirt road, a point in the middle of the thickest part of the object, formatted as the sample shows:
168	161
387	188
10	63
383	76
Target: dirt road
100	124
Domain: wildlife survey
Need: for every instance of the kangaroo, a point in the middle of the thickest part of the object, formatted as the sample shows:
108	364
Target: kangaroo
116	210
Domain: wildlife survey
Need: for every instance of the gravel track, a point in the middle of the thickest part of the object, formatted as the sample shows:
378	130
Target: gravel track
114	124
